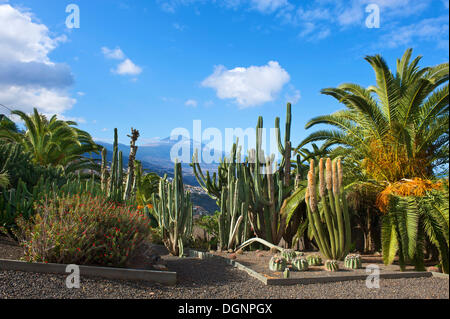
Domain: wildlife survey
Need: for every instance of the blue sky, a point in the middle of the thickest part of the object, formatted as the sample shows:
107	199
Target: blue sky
157	65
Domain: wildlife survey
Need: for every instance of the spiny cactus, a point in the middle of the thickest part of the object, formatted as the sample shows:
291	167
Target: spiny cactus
286	273
173	211
262	189
299	253
314	260
353	261
331	230
277	263
300	264
113	181
288	254
331	265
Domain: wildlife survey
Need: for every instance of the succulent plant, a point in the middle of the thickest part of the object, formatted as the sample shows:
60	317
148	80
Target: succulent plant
277	263
300	264
332	232
299	253
286	273
331	265
353	261
314	260
288	254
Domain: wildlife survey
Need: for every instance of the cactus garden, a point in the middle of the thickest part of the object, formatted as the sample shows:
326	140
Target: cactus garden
223	185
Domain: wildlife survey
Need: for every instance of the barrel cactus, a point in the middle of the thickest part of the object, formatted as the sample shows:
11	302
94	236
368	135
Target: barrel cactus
288	254
314	260
300	264
353	261
331	265
277	263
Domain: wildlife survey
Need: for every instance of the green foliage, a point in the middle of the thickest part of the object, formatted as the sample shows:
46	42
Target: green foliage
399	127
19	165
83	230
4	179
173	210
412	218
53	142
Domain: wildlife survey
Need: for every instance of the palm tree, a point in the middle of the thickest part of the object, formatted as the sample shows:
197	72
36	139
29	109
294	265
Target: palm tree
398	132
399	127
53	142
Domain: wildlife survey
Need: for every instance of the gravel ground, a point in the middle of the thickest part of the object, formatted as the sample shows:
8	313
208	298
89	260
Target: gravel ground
212	278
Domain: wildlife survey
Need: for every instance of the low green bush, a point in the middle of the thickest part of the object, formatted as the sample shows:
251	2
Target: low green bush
82	230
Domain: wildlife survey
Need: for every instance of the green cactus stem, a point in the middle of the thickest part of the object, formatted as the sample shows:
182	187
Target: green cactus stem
300	264
314	260
277	263
353	261
331	265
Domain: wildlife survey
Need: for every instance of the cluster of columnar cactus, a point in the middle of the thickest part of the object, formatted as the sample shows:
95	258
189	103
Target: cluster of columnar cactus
300	264
277	263
112	180
331	265
314	260
255	186
173	210
331	227
353	261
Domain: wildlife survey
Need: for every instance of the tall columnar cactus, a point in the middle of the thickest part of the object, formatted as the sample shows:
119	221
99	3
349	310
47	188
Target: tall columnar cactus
132	157
262	188
112	182
173	211
331	229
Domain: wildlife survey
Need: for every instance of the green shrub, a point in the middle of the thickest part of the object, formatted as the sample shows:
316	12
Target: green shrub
82	230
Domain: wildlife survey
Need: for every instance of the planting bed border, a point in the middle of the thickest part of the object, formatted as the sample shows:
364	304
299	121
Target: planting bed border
327	277
161	277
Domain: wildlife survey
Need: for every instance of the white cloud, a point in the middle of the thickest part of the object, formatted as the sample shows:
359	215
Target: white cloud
248	86
433	29
28	77
293	96
268	6
116	54
191	102
127	67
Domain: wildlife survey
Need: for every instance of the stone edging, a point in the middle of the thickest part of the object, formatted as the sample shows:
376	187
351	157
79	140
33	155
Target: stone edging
314	280
162	277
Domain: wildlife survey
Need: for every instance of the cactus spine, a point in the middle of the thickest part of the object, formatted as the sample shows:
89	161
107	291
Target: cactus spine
277	263
314	260
331	265
331	230
173	210
353	261
300	264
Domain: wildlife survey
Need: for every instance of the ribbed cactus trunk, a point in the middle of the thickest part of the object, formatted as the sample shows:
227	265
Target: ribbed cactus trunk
174	210
132	157
332	232
104	171
261	192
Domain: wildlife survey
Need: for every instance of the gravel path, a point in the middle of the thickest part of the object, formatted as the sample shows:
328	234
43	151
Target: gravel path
211	278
